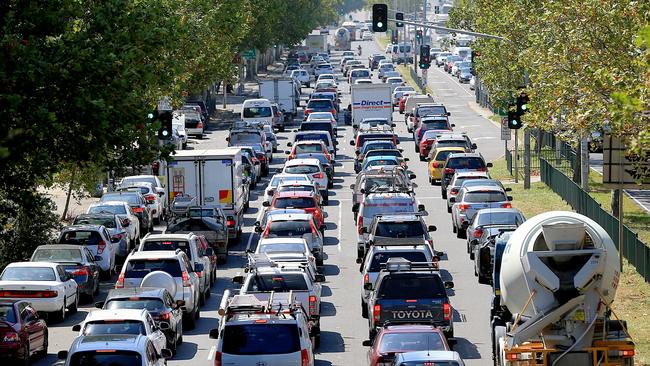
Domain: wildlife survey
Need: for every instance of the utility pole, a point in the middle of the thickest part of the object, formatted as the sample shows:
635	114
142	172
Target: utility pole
526	158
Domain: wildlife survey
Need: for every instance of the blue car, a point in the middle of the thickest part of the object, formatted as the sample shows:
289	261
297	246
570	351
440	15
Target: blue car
382	160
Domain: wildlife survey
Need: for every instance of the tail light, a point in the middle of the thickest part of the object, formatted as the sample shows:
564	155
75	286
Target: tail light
165	316
150	197
454	191
304	357
291	156
199	274
278	114
217	358
360	225
199	125
312	305
478	232
366	278
626	353
435	164
138	209
120	281
449	170
307	111
186	279
446	311
11	337
333	111
319	175
101	246
481	170
464	206
376	311
117	236
29	294
230	221
80	272
506	205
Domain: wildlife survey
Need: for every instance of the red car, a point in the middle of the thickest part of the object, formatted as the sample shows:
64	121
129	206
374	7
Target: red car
394	339
298	199
440	123
22	332
426	142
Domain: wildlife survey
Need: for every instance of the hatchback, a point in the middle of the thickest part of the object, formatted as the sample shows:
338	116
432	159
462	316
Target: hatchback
472	199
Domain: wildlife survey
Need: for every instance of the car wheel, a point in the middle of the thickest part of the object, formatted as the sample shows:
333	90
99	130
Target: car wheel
453	228
326	199
443	192
319	262
448	209
57	316
208	293
471	255
459	233
202	298
190	320
197	313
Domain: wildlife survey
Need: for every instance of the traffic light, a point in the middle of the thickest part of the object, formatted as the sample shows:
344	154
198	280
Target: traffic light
522	103
165	118
418	35
398	17
379	17
514	119
394	37
425	56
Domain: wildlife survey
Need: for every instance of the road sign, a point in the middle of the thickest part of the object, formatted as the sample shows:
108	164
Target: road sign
621	169
249	55
505	131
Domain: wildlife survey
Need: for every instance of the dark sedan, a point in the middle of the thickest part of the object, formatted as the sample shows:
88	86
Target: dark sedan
22	333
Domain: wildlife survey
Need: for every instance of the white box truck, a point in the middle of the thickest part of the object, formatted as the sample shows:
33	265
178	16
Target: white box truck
212	177
281	90
371	101
316	43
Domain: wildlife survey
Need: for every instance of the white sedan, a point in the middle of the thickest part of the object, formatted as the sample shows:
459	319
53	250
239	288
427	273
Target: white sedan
47	286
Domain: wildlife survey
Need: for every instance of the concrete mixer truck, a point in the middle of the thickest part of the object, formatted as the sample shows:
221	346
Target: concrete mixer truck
342	40
557	277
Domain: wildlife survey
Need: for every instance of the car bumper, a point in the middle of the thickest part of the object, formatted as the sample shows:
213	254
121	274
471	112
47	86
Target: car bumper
194	131
46	305
435	173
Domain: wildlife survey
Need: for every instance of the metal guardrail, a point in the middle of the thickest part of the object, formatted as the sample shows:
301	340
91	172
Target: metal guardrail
634	250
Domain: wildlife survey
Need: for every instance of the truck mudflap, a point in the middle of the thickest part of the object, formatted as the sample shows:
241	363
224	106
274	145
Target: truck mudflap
413	311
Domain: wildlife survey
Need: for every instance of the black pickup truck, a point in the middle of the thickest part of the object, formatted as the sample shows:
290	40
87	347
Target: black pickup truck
409	293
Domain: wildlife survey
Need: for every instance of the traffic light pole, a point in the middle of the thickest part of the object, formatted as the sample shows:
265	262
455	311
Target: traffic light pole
526	158
516	156
453	30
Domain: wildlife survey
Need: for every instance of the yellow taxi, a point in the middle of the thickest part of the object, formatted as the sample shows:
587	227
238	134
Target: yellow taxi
437	159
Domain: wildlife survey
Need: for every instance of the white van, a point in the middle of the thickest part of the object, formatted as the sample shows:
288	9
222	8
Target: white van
464	52
257	110
401	51
359	74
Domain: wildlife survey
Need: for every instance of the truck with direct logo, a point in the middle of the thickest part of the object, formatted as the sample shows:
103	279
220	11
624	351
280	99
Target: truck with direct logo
371	101
409	293
211	178
316	43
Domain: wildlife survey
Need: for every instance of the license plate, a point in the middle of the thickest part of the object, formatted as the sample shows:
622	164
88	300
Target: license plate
580	315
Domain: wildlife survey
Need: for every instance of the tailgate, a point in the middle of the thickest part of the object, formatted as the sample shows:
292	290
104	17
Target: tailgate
412	310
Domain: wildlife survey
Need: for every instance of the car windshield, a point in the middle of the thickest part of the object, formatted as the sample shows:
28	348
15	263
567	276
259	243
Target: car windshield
281	247
308	148
380	258
412	341
294	202
442	155
435	125
394	153
135	302
7	313
321	115
164	244
382	162
319	104
143	190
278	282
244	137
57	255
106	358
485	196
81	237
437	110
139	268
114	209
257	112
102	327
260	339
28	274
465	163
360	74
412	286
277	179
379	146
289	228
396	229
302	169
132	199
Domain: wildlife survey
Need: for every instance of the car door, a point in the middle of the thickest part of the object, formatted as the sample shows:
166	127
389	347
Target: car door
33	325
69	286
156	335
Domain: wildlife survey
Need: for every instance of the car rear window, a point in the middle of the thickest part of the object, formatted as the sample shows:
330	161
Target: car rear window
282	247
28	274
316	126
371	209
244	137
499	218
380	258
395	229
143	190
132	199
107	222
485	196
394	153
437	110
162	244
465	163
319	104
7	313
136	303
360	74
57	255
411	286
102	327
312	136
289	228
308	148
375	136
81	237
435	125
278	282
260	339
412	341
256	112
138	268
382	162
106	358
294	202
114	209
302	169
379	146
459	181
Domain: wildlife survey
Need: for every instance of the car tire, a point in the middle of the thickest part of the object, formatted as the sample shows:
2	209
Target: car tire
197	313
190	320
105	275
208	293
57	316
471	256
319	262
448	209
443	192
202	298
453	228
459	233
326	199
422	158
25	358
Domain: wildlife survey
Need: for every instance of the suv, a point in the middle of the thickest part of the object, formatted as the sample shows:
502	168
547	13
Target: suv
152	199
425	109
472	199
157	301
97	239
137	203
383	203
361	138
461	161
191	245
320	105
325	136
380	180
409	292
123	349
277	331
436	123
139	269
403	228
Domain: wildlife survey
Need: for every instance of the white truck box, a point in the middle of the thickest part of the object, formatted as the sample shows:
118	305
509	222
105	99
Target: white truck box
281	90
214	177
316	43
371	101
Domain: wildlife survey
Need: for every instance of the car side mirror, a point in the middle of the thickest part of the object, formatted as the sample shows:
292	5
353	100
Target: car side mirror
266	204
115	240
209	252
393	125
367	286
214	333
258	229
474	146
509	198
289	144
198	267
325	215
432	228
99	304
76	327
448	113
323	227
166	353
319	278
287	152
227	138
351	142
366	343
180	303
238	279
126	223
449	285
359	261
489	165
421	207
163	326
407	159
453	125
452	199
364	230
412	176
62	355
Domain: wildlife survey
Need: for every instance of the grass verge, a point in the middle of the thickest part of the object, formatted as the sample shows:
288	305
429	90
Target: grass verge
633	294
405	71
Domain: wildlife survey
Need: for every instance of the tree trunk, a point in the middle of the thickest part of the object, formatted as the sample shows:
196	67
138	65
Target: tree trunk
67	199
576	166
614	202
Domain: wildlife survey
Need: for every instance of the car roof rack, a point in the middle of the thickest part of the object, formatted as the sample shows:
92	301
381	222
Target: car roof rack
399	264
278	303
262	260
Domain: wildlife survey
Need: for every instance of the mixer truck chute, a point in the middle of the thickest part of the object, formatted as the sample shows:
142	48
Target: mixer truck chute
558	277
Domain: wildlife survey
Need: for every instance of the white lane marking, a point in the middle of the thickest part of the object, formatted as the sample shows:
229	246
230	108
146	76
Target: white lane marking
454	83
250	240
339	225
213	350
485	138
